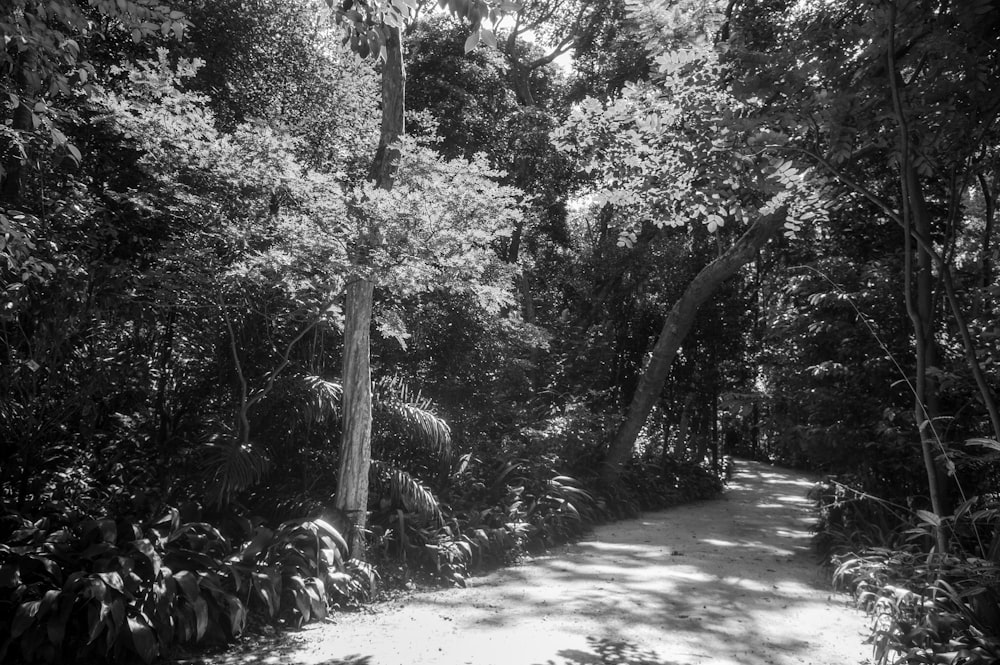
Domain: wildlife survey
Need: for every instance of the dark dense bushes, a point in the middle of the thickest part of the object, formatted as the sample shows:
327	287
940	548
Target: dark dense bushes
107	590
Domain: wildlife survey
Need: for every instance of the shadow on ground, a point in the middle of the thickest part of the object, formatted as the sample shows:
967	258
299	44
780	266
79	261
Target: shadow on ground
607	652
282	655
728	581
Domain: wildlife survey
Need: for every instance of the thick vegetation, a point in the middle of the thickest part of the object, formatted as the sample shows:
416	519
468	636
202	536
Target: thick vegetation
304	299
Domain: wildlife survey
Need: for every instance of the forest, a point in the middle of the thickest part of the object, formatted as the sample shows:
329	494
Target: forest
307	299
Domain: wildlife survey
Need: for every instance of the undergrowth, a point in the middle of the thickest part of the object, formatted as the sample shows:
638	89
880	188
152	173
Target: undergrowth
127	589
924	606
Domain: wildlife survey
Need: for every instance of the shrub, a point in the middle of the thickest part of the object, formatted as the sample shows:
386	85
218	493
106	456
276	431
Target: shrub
926	608
107	591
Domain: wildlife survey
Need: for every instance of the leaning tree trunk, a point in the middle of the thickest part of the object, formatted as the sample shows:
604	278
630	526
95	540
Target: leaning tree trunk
355	447
676	326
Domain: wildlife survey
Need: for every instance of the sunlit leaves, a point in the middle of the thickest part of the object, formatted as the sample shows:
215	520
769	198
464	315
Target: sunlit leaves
440	227
368	24
671	152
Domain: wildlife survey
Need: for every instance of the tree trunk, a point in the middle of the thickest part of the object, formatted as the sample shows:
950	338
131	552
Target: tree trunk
985	252
355	447
714	443
676	326
520	74
918	290
681	446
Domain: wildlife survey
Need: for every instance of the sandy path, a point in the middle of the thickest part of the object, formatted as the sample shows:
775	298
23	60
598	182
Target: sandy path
729	581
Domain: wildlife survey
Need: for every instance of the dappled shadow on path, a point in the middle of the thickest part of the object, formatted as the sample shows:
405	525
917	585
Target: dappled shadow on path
285	648
282	654
728	581
733	577
607	652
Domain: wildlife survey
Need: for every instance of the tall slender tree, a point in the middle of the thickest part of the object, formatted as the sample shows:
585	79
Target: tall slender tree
374	29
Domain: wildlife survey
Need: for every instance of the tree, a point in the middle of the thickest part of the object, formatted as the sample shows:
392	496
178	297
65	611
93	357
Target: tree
900	117
668	153
373	29
278	62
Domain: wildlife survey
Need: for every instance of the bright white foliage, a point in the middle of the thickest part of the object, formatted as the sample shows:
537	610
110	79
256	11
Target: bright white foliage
674	152
440	228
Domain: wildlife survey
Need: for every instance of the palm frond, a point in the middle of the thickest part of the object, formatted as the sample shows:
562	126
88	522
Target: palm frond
323	399
406	490
412	414
232	467
311	400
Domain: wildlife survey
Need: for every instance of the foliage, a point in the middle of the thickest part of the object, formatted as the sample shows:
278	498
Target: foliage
851	520
671	167
440	227
924	605
926	608
111	591
279	63
179	221
832	64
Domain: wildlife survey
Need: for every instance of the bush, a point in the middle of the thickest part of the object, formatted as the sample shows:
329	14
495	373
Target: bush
851	520
107	591
926	608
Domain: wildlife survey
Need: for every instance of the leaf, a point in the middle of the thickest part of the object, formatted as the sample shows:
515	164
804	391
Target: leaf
57	625
171	521
143	639
189	584
48	601
472	41
24	616
266	589
298	588
113	580
260	541
330	531
929	518
74	153
237	615
96	619
489	38
985	443
317	597
106	530
117	614
200	606
147	549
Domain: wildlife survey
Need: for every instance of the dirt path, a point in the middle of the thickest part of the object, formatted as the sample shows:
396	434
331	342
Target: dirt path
729	581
